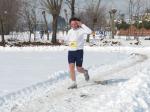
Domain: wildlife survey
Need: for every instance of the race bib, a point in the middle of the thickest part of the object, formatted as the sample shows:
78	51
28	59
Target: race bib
73	44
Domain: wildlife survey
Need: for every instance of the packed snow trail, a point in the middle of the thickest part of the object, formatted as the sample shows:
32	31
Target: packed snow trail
125	91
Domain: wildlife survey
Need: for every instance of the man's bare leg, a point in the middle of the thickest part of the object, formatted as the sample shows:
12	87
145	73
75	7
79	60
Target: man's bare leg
81	69
72	71
84	71
72	76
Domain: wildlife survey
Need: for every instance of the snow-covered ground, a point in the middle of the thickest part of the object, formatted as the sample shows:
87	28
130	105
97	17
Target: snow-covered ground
35	79
125	88
22	67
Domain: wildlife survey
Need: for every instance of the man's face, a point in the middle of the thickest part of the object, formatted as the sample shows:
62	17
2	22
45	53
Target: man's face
74	24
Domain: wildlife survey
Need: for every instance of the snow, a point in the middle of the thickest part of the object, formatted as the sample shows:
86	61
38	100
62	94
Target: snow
126	80
29	65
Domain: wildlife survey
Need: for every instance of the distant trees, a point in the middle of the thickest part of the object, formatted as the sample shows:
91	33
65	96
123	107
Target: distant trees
24	15
142	24
146	24
122	25
136	15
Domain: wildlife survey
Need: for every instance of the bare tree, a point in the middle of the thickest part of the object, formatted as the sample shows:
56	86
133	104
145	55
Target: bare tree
29	23
29	16
112	18
8	16
34	20
136	8
94	14
12	7
53	7
67	19
46	24
2	28
71	5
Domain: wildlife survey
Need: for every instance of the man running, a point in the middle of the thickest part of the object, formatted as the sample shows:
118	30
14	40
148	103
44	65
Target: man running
75	39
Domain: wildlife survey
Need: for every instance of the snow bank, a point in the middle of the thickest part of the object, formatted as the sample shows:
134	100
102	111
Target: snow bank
25	95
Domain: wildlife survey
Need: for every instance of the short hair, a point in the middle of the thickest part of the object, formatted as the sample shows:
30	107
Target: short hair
74	19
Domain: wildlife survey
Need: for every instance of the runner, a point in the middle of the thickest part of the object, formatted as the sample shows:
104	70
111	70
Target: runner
75	39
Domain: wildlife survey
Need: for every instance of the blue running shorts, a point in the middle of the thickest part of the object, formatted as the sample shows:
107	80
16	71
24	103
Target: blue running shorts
75	57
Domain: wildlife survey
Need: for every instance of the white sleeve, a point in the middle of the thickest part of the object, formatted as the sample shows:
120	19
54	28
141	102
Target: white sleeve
86	29
66	36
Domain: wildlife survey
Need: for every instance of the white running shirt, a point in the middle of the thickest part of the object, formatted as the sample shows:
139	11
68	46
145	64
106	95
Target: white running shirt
75	37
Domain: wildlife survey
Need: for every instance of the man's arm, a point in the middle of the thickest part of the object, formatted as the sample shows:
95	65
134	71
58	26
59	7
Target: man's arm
64	39
86	29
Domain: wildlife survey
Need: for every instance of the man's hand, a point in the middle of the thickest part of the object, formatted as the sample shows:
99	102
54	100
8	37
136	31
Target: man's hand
61	41
79	23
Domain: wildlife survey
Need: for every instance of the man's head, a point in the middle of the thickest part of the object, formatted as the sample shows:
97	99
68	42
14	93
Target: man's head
74	22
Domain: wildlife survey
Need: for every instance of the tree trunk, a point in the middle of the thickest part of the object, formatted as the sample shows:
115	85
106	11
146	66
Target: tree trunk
2	32
54	35
46	24
34	32
72	8
88	38
30	36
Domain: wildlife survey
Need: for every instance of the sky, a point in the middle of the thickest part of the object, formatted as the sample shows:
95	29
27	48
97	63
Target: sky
118	4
